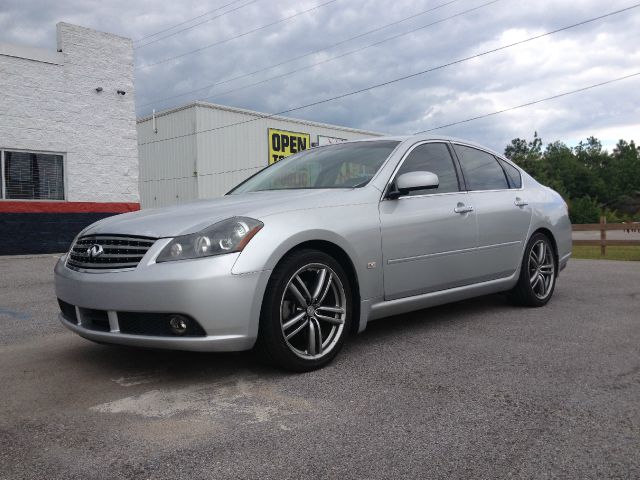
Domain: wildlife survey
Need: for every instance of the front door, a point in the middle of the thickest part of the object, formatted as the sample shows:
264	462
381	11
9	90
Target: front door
429	237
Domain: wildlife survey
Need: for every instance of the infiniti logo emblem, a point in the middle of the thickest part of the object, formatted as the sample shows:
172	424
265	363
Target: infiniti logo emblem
95	251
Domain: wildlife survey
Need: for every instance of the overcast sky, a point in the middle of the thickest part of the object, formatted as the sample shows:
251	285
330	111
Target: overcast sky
569	60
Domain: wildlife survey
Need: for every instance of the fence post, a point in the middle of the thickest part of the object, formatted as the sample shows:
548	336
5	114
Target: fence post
603	236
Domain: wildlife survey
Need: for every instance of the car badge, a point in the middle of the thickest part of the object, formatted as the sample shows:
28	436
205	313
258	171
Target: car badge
95	251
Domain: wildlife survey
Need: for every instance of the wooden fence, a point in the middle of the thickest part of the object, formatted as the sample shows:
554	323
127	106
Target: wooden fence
603	227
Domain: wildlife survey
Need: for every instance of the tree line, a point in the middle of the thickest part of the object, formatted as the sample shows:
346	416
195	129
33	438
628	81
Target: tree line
593	181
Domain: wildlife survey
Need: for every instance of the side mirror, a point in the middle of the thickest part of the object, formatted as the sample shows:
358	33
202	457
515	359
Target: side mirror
410	181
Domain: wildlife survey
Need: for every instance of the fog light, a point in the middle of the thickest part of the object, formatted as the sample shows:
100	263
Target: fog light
178	324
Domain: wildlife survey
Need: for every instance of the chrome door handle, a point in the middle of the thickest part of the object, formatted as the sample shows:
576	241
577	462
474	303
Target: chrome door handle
463	209
520	203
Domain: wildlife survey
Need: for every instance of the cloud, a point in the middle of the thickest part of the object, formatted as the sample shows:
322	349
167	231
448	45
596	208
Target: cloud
566	61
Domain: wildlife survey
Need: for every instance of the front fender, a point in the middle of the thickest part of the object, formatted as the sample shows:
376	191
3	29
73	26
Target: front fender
354	228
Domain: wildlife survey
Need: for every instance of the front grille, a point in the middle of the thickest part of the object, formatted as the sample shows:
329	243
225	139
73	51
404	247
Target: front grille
110	252
95	319
68	311
155	324
132	323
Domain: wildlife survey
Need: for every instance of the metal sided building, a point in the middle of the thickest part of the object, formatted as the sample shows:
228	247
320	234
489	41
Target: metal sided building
202	150
68	147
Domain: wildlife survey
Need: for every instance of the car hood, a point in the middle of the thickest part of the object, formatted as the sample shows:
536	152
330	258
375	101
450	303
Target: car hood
194	216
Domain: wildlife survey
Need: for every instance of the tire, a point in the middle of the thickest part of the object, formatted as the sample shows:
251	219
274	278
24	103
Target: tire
306	314
537	279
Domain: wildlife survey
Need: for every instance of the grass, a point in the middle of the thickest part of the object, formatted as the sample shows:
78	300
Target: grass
613	253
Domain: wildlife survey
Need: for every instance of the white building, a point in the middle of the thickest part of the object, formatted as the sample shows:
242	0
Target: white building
68	146
202	150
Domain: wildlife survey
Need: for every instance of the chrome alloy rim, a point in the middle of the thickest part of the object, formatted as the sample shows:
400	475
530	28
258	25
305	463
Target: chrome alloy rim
313	311
541	269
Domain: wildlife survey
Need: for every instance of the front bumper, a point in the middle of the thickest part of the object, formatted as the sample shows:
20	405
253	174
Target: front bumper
225	305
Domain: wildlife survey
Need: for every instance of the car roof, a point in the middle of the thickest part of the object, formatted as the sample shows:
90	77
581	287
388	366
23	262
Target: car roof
426	137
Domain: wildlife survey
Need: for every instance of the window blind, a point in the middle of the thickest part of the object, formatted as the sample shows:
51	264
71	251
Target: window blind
33	176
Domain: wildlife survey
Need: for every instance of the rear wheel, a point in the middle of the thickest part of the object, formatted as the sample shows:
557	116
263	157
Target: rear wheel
306	312
537	273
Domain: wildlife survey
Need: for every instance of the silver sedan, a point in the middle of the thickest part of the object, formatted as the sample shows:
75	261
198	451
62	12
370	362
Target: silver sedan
312	248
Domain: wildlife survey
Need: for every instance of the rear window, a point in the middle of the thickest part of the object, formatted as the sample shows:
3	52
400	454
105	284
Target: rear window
481	169
513	174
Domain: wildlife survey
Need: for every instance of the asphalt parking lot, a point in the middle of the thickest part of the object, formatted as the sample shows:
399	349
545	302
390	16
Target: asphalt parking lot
478	389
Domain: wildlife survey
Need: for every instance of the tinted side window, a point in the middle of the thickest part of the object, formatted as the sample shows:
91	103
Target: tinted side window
513	174
434	158
481	170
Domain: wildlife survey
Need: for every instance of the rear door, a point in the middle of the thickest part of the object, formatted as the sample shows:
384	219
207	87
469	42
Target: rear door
495	191
429	236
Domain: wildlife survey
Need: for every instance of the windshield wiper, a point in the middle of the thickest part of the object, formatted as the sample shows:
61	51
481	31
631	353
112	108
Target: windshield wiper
361	184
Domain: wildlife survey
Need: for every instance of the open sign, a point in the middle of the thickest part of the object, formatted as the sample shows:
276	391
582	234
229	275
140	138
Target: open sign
283	143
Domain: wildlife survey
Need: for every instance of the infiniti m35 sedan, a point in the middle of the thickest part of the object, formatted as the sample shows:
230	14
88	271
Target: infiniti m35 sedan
310	249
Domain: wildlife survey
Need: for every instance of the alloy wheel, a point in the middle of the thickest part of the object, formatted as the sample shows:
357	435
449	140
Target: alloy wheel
313	311
541	269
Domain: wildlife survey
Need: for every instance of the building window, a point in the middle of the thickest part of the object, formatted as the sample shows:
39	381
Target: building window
32	176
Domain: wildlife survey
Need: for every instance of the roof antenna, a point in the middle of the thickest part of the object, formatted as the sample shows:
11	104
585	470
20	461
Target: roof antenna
153	117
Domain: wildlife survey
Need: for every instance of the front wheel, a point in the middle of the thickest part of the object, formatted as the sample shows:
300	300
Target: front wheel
537	273
306	312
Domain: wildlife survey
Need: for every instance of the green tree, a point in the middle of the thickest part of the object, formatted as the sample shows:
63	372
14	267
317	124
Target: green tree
524	153
584	210
592	180
623	173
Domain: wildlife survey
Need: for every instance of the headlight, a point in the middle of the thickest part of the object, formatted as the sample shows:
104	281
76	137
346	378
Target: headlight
228	236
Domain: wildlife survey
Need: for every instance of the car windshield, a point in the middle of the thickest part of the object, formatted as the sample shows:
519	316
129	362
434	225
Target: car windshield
345	165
